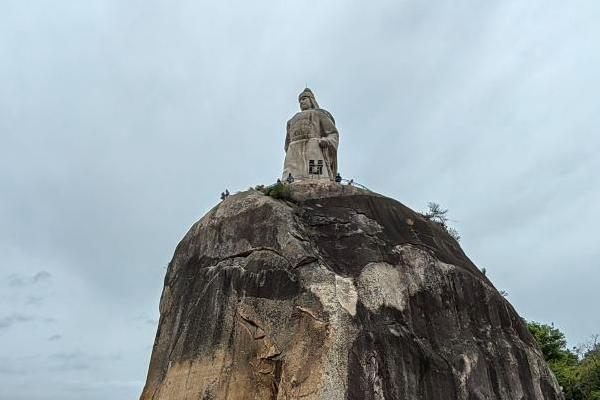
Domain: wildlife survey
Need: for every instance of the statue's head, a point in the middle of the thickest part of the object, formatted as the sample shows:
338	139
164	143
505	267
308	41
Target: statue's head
307	100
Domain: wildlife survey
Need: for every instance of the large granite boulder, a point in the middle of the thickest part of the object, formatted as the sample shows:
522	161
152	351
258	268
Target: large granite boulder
338	294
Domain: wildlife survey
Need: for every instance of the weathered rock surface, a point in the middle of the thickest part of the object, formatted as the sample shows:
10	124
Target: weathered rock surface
343	294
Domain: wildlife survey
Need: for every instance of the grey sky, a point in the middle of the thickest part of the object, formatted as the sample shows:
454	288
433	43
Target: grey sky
122	121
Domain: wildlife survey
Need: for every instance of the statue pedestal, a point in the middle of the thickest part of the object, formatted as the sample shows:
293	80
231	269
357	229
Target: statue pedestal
306	189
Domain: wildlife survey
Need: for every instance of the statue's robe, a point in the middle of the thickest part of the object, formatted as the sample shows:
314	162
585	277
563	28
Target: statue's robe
304	132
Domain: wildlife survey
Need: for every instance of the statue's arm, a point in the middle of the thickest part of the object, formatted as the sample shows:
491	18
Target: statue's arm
329	131
287	137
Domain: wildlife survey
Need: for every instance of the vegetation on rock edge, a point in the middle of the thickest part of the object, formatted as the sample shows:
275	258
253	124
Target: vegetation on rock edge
278	191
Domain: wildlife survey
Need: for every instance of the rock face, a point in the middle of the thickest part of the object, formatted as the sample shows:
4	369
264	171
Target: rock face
341	294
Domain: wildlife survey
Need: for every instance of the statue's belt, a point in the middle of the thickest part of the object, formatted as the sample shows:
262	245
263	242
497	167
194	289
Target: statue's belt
297	136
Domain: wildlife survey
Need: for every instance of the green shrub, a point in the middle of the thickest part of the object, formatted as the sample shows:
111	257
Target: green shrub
279	191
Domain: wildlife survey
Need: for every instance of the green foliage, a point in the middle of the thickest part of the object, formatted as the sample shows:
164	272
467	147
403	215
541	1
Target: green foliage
568	378
578	371
552	342
589	369
594	395
279	191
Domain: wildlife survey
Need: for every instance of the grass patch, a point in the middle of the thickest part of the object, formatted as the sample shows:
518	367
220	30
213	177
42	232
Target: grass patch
279	191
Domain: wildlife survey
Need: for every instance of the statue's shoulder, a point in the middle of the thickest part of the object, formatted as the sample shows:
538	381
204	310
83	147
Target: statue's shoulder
306	114
326	114
299	115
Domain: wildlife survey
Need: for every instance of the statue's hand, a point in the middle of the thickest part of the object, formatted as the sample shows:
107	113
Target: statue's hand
323	144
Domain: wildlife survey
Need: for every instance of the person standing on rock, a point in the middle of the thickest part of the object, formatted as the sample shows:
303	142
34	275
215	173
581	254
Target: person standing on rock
311	141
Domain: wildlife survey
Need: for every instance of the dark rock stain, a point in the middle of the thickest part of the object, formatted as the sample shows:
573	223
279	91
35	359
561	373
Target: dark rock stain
347	250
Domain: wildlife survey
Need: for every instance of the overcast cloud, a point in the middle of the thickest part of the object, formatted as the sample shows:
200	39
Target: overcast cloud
121	122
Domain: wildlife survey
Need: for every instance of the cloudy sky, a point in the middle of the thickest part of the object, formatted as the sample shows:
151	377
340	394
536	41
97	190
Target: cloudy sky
122	121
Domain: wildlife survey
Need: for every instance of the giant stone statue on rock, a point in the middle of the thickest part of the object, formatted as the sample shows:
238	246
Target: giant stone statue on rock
311	142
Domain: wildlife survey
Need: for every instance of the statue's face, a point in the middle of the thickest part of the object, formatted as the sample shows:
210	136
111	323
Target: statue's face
305	103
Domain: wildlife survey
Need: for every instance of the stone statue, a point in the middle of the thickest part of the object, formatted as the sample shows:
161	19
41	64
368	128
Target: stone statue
311	141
